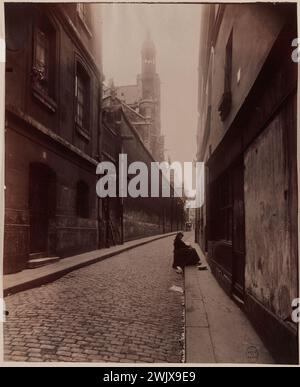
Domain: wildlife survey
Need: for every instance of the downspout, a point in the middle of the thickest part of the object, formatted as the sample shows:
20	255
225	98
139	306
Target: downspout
99	157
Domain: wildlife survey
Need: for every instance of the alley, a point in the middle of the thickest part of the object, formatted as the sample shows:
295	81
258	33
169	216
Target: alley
117	310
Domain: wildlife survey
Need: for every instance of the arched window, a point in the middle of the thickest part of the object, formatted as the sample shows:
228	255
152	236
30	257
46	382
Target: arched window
82	200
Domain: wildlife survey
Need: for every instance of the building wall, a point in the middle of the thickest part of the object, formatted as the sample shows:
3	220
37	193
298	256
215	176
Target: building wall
250	216
261	23
68	233
141	217
147	216
41	131
271	258
69	48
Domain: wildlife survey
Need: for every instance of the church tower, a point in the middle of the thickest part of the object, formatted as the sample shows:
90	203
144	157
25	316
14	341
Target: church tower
144	98
150	97
148	69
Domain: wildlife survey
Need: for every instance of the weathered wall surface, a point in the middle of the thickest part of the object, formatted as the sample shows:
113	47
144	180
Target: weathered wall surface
139	223
37	118
271	257
258	133
68	50
260	22
68	233
142	216
147	216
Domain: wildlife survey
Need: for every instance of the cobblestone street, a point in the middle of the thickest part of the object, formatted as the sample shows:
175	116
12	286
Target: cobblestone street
117	310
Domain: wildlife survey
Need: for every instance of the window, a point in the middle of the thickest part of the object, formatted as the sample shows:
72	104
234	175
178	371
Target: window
42	53
43	57
148	111
228	65
221	208
82	200
82	96
149	61
225	103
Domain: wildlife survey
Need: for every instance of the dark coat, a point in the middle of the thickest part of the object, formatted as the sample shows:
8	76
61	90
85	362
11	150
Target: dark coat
179	244
184	255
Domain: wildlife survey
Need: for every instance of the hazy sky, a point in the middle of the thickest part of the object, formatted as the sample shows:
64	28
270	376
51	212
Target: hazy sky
175	32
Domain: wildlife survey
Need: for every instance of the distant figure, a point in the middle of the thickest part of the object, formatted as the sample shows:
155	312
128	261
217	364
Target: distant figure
184	255
188	226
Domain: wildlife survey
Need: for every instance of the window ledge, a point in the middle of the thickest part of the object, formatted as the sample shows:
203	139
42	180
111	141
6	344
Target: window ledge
47	101
82	132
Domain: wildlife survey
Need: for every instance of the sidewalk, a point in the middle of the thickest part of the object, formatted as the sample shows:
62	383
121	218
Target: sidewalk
27	279
217	331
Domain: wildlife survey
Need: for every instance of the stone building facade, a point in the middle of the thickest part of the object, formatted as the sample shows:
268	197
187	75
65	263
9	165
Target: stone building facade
55	136
247	136
53	100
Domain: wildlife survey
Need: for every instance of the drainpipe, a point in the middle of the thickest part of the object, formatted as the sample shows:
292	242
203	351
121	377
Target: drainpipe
99	158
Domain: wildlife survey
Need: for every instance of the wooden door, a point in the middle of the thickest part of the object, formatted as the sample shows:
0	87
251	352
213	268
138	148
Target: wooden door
238	232
40	194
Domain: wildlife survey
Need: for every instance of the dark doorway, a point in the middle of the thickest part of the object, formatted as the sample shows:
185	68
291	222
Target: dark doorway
113	221
238	232
82	200
42	199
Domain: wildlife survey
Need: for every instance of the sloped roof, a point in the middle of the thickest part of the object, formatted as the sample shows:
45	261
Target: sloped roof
128	94
131	114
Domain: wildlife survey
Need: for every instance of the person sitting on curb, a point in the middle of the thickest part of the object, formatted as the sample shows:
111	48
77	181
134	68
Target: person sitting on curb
184	255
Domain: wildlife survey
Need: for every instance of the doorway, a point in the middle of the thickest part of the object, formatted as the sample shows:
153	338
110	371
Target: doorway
42	198
238	231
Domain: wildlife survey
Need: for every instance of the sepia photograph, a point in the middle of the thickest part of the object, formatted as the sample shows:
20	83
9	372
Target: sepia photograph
149	174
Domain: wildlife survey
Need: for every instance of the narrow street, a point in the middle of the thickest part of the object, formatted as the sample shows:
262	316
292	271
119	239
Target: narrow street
124	125
117	310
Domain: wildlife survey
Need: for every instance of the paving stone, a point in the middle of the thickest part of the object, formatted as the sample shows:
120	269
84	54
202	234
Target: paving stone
90	352
117	310
44	346
34	350
18	358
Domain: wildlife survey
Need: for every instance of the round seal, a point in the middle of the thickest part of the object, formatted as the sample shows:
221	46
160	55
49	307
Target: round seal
252	354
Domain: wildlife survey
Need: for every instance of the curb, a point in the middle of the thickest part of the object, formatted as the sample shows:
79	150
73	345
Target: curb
30	284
